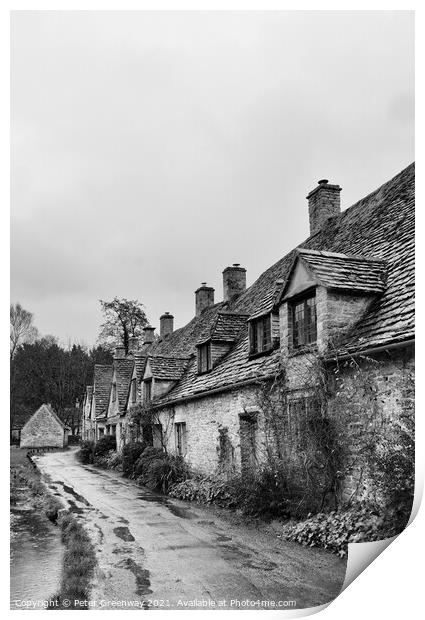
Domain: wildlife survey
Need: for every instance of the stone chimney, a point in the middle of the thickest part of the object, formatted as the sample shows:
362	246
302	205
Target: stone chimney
149	336
133	344
204	298
166	324
119	353
323	202
234	281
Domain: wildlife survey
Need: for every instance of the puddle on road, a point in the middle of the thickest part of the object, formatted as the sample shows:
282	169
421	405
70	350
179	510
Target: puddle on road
122	520
124	533
222	538
177	511
74	508
72	492
142	576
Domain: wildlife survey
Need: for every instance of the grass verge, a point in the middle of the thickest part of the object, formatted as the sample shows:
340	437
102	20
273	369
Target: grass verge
79	558
79	562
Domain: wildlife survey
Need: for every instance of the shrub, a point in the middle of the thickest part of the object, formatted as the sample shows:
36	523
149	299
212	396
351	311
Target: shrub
335	530
205	490
86	452
264	493
143	462
130	454
114	461
158	471
106	444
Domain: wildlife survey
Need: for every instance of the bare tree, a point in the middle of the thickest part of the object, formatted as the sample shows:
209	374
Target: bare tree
21	327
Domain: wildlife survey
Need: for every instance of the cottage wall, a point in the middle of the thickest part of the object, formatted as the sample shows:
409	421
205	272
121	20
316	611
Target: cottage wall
368	395
213	439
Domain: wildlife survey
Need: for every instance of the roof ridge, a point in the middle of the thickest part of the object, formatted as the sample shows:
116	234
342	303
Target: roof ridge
327	254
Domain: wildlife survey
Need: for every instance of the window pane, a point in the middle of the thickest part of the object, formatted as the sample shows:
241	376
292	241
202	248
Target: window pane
304	330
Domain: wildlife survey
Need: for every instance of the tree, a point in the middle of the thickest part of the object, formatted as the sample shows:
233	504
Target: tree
45	372
124	318
21	327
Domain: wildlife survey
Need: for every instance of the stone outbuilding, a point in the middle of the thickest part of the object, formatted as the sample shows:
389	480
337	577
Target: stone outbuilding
44	429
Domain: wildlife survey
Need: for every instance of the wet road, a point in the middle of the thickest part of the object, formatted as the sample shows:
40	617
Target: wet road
155	551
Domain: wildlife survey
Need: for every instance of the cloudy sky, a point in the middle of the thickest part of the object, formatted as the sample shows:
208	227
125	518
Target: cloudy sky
151	150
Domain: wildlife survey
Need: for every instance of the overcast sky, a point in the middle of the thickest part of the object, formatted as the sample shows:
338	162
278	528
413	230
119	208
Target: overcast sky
151	150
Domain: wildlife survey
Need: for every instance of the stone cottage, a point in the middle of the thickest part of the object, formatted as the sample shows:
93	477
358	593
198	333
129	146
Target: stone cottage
44	429
340	305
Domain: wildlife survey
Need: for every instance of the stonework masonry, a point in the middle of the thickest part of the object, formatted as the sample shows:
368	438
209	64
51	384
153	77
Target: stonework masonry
204	418
323	202
43	430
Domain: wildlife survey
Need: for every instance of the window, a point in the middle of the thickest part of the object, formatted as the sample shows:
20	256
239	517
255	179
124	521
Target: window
133	391
260	335
147	391
114	392
304	327
180	438
204	357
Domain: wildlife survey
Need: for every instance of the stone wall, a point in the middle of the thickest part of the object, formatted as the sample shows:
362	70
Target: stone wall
226	432
375	391
43	430
212	427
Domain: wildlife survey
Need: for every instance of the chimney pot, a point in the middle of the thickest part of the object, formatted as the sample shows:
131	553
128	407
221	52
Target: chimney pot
234	281
166	324
119	353
148	332
204	298
133	344
324	201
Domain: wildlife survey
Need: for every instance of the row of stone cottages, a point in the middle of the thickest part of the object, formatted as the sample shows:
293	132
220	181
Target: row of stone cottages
342	300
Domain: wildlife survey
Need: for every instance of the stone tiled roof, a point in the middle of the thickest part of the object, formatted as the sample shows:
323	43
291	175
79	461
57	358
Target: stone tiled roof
140	364
102	387
351	273
167	368
225	327
380	227
123	371
182	342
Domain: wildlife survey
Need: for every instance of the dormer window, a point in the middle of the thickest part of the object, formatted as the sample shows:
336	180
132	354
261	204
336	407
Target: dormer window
304	322
260	335
204	357
114	392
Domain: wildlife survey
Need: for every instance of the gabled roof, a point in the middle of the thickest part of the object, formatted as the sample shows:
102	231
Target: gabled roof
380	227
102	387
167	368
52	412
340	271
123	370
225	327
